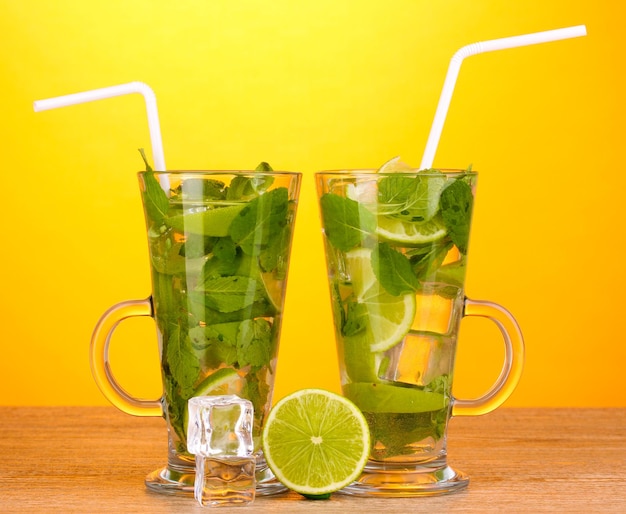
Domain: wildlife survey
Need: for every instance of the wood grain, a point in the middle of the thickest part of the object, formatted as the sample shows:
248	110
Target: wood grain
94	459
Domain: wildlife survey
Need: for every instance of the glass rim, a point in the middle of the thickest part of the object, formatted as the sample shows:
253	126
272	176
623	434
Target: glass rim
416	171
224	172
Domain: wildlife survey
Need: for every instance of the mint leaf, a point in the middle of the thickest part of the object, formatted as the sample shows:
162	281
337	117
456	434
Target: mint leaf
254	343
346	222
456	204
224	260
356	318
201	312
396	193
225	249
246	188
393	270
167	258
274	256
232	293
411	198
145	159
426	259
440	384
154	198
175	405
182	361
260	220
407	429
396	189
257	391
263	166
166	300
201	189
218	343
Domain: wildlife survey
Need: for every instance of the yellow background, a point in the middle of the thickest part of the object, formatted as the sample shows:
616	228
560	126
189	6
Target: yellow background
309	86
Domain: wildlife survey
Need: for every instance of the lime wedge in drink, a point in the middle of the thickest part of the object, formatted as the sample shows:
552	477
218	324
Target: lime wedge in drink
380	397
212	222
395	165
389	317
316	442
273	291
396	230
222	381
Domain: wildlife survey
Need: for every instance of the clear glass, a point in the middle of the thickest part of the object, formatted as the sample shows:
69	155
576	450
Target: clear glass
396	250
219	244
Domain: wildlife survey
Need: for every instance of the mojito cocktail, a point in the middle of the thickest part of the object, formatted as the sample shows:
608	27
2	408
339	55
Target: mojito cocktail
219	246
396	243
396	246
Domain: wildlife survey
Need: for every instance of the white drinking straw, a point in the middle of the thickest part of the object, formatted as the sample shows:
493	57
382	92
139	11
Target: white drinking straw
479	48
110	92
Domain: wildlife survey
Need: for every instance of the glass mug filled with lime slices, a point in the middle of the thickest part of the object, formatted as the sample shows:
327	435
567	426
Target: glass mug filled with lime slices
219	245
396	243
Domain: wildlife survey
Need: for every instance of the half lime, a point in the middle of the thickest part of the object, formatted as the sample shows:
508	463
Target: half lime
316	442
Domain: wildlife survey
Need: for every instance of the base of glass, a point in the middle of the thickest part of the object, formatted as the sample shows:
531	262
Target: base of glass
168	481
397	481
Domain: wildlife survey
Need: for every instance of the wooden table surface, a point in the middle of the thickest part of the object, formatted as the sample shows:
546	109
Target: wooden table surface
94	459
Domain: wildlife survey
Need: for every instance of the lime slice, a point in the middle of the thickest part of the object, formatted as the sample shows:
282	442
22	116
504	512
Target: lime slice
274	289
395	230
395	165
212	222
222	381
389	318
316	442
379	397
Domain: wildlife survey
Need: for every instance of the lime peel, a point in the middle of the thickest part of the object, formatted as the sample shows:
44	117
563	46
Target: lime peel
395	230
222	381
389	398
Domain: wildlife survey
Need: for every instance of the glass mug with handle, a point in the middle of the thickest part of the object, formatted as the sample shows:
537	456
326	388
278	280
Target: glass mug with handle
396	252
219	245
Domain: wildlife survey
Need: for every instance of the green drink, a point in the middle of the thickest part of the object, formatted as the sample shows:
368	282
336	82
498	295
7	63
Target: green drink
219	245
396	246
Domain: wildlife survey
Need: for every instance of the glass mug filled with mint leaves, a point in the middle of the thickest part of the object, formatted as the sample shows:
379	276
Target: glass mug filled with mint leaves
396	243
219	245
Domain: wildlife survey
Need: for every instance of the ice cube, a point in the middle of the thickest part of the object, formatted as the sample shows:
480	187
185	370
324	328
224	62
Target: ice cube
220	426
219	434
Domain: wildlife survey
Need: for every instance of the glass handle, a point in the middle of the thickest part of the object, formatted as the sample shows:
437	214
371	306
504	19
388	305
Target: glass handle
99	359
513	359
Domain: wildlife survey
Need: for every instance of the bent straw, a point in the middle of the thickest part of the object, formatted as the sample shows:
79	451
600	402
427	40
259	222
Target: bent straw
110	92
478	48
